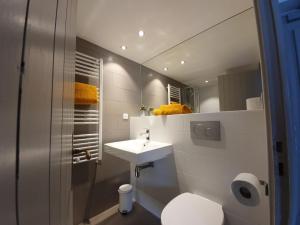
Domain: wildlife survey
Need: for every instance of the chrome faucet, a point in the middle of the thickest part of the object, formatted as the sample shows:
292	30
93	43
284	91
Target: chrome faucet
147	133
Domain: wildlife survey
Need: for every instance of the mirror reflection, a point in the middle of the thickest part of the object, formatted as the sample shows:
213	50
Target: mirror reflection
215	70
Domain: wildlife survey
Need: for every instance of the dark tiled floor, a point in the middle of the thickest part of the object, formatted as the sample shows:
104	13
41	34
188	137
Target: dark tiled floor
139	216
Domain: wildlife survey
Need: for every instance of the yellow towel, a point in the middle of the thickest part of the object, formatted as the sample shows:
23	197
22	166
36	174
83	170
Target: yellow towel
85	94
173	108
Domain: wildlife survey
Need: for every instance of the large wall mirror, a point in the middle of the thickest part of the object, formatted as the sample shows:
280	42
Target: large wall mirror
216	70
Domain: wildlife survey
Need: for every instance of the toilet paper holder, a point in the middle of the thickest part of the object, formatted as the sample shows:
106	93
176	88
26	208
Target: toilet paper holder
266	186
247	189
246	193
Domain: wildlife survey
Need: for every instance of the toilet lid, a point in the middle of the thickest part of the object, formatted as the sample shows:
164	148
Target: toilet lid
191	209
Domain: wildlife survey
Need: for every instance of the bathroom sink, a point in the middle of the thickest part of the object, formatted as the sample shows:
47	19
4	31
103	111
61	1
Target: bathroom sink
138	151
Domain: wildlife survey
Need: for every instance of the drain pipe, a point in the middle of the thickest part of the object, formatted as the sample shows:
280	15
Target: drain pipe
138	168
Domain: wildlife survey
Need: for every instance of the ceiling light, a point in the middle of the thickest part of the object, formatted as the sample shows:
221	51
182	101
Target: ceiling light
123	47
206	81
182	62
141	33
166	69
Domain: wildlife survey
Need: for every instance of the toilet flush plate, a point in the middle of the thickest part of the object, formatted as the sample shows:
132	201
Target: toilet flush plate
206	130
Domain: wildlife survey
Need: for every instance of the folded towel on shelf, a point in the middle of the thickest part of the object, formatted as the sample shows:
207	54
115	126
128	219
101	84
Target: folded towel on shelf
173	108
85	94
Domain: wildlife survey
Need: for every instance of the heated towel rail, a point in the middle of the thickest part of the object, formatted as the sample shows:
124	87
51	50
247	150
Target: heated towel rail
87	144
174	94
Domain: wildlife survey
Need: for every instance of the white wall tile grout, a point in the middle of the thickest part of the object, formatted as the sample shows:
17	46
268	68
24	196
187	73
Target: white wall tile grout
208	167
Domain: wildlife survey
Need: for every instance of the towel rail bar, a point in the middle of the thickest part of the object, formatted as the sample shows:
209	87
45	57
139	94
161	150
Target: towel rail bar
81	66
86	110
85	75
85	143
84	160
86	72
94	65
85	147
79	140
85	135
82	153
85	123
78	119
84	115
80	59
87	56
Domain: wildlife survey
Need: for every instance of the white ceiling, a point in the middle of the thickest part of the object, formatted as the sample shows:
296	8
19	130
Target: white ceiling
231	44
166	23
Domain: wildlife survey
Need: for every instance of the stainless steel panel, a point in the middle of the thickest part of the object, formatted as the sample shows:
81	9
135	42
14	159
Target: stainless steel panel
57	111
12	21
205	130
35	114
47	100
68	110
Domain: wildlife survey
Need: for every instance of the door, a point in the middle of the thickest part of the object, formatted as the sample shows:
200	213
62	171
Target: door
37	42
287	23
12	23
279	23
44	186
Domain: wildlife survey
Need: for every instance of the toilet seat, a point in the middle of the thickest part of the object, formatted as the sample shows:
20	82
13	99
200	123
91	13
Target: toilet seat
192	209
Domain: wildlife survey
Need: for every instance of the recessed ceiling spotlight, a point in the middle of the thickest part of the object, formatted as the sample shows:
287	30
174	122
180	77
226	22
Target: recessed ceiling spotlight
182	62
124	47
166	69
206	81
141	33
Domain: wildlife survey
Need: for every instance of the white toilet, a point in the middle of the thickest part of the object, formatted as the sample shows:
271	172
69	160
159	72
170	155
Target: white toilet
192	209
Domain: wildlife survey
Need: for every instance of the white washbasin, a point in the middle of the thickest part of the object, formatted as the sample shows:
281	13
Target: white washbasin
138	151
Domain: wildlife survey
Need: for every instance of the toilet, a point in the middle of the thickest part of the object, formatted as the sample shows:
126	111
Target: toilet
192	209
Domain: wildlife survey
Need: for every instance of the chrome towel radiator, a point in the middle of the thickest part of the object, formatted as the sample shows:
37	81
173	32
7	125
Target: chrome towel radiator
174	94
87	137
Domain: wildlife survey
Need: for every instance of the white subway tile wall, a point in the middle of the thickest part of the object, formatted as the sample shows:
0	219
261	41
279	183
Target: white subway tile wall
206	167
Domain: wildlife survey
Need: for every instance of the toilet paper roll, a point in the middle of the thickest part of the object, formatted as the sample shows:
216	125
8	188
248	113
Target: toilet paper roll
247	189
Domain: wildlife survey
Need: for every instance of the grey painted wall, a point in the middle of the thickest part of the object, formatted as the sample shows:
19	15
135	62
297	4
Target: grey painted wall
124	81
209	98
122	94
236	87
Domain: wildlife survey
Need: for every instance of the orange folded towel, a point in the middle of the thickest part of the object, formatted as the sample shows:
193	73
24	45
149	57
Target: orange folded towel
85	94
171	109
